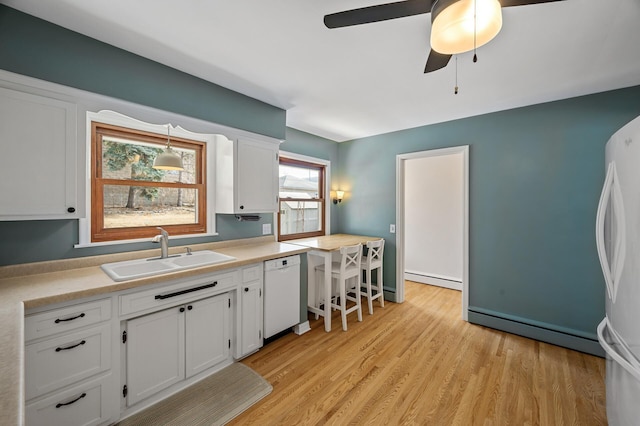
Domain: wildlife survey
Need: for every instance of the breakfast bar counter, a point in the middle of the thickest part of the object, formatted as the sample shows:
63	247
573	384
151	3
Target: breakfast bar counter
321	249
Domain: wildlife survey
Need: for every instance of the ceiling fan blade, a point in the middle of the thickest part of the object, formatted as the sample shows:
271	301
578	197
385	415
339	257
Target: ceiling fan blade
381	12
507	3
436	61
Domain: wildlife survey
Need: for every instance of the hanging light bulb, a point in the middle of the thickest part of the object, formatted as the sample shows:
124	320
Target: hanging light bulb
459	26
169	159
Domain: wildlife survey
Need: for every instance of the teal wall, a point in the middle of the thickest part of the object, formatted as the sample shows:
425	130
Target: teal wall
535	180
36	48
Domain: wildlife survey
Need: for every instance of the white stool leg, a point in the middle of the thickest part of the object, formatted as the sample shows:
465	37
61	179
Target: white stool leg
343	302
358	297
369	292
379	285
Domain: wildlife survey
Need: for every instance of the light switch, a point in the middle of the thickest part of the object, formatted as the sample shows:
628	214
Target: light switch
266	228
392	228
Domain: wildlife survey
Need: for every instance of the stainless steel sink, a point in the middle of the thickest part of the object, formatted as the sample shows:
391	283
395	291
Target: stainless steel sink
139	268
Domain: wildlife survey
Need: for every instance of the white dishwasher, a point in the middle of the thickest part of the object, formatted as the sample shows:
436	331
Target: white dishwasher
281	294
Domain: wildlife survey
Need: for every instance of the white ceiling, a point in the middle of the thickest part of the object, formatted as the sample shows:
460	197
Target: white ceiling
353	82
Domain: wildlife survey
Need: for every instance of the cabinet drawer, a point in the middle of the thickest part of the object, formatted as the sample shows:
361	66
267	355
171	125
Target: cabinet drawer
87	403
66	319
177	293
252	273
66	359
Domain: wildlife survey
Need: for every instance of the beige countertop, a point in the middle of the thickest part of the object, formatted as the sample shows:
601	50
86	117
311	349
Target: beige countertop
43	283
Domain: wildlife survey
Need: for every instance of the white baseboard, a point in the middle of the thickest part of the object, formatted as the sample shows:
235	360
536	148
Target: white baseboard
454	285
302	328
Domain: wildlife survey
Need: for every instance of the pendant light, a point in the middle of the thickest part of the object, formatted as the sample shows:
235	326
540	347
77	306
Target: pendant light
459	26
169	159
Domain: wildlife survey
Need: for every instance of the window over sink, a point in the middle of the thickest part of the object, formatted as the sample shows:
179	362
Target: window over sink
129	198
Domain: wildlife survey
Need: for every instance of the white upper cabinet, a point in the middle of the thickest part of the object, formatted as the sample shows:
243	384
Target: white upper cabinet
39	162
246	175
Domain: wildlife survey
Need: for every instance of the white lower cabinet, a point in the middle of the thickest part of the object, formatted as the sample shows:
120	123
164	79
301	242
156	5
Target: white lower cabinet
251	308
166	347
68	366
155	353
207	334
98	361
66	359
87	403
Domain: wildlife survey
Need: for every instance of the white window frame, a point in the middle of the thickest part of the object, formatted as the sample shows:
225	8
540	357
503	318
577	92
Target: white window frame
327	187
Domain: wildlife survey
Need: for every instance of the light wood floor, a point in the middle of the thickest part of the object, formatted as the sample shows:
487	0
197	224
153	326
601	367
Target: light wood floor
419	363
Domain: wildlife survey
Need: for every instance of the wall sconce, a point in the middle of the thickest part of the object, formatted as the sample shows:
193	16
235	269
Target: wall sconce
339	197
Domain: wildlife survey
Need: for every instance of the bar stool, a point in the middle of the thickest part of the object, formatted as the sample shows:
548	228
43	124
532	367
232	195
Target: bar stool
347	273
373	260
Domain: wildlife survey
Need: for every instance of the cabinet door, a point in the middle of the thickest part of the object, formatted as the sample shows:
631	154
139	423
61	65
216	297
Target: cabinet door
155	353
207	333
38	166
251	301
257	177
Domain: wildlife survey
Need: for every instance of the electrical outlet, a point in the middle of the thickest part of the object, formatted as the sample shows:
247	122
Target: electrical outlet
392	228
266	229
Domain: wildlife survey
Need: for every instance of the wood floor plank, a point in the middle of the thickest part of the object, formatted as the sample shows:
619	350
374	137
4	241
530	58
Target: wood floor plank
419	363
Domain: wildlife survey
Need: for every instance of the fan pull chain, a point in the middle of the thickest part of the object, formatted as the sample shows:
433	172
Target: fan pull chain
475	31
455	90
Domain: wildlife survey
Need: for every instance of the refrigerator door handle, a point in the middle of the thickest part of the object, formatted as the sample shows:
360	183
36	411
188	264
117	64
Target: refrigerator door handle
612	352
620	250
602	209
611	191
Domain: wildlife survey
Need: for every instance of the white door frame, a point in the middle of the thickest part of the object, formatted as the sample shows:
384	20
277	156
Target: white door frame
400	207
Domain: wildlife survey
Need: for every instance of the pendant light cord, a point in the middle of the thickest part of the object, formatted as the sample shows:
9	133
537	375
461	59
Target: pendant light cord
475	28
455	90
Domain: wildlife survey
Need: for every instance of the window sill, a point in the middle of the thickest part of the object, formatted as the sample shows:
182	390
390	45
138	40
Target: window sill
141	240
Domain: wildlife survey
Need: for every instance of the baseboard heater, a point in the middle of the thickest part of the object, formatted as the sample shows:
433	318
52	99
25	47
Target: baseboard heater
434	279
573	340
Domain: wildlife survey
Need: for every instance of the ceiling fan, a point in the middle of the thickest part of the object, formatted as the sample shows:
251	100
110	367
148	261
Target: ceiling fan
457	26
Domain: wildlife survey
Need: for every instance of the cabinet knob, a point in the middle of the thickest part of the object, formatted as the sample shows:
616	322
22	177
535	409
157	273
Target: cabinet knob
241	207
182	309
71	209
246	289
189	307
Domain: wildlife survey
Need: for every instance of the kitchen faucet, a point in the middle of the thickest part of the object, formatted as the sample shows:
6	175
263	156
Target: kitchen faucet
163	239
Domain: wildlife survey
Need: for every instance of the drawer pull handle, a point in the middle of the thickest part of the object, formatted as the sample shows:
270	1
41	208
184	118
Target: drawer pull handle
62	404
58	320
58	349
189	290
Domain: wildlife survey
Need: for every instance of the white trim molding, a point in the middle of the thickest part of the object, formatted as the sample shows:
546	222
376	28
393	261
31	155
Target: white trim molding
400	226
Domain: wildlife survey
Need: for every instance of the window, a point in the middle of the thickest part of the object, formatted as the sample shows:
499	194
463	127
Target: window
302	199
129	198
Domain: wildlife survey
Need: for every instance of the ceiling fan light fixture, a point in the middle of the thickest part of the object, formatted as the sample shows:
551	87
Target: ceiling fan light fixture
453	29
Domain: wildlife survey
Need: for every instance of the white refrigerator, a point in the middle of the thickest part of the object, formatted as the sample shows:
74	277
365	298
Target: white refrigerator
618	243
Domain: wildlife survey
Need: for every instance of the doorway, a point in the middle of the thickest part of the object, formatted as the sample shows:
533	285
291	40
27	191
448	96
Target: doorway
401	207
